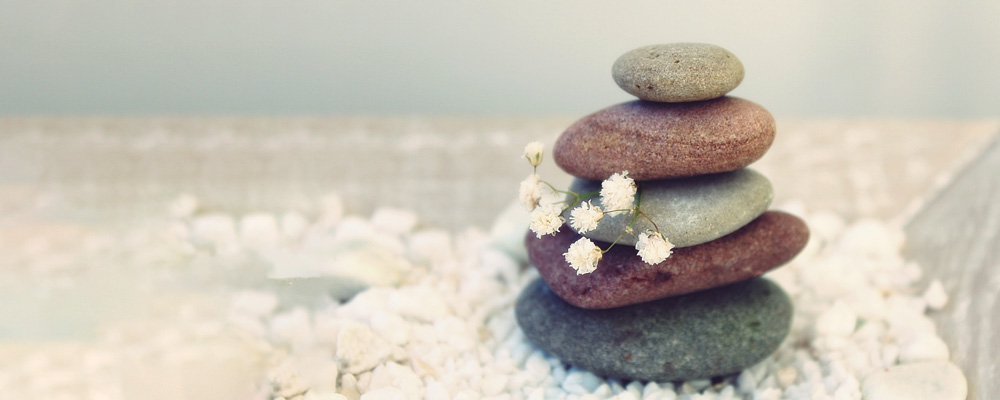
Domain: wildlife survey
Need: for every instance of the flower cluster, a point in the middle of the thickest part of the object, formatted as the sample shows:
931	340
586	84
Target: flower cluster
618	195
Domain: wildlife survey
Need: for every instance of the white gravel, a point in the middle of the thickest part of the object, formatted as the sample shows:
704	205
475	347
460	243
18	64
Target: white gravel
240	306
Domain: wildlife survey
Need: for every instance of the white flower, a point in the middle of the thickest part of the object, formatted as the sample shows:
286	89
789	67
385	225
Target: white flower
618	192
583	255
585	217
545	220
533	152
653	247
530	192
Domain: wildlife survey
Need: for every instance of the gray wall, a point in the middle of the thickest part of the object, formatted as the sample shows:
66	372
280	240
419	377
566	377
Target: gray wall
196	57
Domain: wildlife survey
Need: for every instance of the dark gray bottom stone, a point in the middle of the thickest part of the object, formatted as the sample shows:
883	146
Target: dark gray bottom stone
699	335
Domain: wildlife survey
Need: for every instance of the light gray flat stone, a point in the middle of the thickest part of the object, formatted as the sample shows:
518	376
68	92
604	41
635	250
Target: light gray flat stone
678	72
688	211
935	380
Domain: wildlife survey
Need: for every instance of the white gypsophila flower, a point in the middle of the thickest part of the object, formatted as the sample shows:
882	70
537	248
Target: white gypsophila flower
585	217
653	247
583	255
618	192
530	192
545	220
533	152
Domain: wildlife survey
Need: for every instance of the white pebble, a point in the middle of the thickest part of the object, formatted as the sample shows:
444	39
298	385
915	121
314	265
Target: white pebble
935	296
466	395
924	346
294	326
434	390
394	221
259	230
786	376
624	396
349	387
493	385
386	393
420	302
397	376
317	395
580	382
184	206
390	326
937	380
254	303
838	320
359	349
331	210
215	229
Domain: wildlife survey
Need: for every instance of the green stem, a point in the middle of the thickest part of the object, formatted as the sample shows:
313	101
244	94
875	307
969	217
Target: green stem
638	201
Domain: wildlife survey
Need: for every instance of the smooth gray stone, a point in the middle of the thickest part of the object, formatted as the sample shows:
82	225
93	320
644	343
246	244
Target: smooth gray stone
688	211
699	335
678	72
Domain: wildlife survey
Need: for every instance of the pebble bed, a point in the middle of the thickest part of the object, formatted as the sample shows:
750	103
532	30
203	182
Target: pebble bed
439	322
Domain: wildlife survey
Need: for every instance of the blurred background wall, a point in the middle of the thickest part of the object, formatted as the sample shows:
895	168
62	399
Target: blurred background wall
934	58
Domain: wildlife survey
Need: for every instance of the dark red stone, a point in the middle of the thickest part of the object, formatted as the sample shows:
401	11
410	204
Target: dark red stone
654	140
622	278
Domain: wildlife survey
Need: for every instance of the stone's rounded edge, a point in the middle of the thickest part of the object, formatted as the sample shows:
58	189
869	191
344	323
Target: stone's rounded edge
666	140
678	72
623	279
728	328
937	380
689	211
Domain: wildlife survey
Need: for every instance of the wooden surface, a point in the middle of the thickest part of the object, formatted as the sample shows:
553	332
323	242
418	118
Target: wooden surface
956	237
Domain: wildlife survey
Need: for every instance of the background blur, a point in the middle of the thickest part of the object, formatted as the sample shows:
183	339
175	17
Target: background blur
926	59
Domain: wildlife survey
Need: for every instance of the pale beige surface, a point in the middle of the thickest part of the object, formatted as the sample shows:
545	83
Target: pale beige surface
454	172
62	179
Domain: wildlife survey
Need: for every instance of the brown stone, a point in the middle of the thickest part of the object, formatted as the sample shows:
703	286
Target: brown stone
666	140
622	278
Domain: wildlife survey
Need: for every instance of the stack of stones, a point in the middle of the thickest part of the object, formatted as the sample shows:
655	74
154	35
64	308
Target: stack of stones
704	311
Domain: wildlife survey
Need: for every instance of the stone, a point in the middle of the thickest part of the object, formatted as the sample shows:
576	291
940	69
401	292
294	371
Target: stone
688	211
665	140
678	72
937	380
622	278
699	335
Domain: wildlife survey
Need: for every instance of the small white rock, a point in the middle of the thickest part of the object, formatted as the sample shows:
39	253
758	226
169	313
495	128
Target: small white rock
386	393
394	220
786	376
359	349
935	296
581	382
493	385
259	230
838	320
420	302
293	225
254	303
434	390
936	380
184	206
925	346
215	229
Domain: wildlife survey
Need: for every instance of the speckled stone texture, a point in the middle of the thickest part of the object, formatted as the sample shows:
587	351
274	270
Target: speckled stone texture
666	140
622	278
678	72
688	211
699	335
